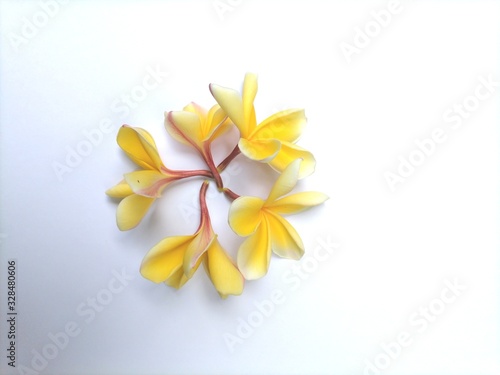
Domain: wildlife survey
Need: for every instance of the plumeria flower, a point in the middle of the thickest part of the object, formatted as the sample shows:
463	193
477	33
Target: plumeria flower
262	222
197	127
273	140
138	190
175	259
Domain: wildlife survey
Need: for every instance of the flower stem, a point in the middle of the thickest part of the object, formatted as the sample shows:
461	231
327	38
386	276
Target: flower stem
193	173
207	155
236	151
205	216
181	174
230	194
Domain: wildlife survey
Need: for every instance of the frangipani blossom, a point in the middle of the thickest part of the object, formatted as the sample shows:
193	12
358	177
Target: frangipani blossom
196	127
273	140
175	259
262	222
138	190
132	208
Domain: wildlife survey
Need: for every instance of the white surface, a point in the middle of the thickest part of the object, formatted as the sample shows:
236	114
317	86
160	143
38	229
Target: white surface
397	249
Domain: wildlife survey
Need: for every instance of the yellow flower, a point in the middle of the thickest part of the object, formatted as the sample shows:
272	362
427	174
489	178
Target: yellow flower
138	190
271	141
132	208
195	126
175	259
262	222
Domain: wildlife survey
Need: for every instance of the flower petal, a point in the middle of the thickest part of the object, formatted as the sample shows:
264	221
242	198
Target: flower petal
139	145
177	279
263	150
285	126
120	190
147	183
254	253
216	124
298	202
285	182
285	241
249	93
196	249
197	109
245	215
131	210
165	258
290	152
184	127
231	102
225	276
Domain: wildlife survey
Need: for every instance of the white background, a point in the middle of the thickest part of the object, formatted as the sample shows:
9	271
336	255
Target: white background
396	249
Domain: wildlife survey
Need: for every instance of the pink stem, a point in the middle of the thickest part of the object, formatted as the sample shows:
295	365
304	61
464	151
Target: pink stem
236	151
207	155
230	194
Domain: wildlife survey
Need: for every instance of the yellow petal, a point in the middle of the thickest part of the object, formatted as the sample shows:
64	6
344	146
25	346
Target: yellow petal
196	249
245	215
139	145
231	102
217	123
285	182
298	202
131	210
225	276
285	126
185	127
254	253
263	150
147	183
290	152
249	93
177	279
120	190
285	241
165	258
197	109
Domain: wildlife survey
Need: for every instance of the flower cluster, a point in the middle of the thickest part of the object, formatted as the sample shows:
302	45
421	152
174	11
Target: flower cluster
261	222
